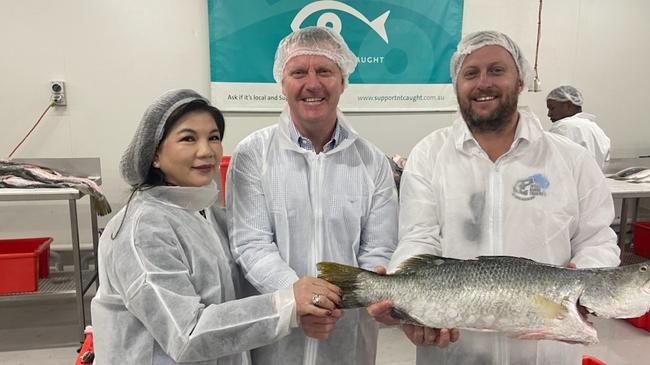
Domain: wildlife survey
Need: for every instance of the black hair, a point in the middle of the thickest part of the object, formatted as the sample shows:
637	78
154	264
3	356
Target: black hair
155	176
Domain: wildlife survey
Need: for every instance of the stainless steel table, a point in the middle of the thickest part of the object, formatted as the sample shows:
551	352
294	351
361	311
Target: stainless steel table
59	283
629	193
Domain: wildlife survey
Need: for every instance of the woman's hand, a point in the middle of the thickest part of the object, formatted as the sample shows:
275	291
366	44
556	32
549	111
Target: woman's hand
316	302
316	297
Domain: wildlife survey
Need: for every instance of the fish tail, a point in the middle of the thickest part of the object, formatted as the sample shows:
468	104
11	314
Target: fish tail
345	277
101	204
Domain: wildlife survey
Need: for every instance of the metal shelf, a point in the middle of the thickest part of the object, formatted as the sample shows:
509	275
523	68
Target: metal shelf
77	282
57	284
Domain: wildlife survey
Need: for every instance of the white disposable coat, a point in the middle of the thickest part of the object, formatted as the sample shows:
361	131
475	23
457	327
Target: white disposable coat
166	291
544	199
582	129
290	208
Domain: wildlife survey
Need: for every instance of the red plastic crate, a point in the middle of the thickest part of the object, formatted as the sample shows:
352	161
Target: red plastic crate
223	171
641	238
591	360
641	322
22	262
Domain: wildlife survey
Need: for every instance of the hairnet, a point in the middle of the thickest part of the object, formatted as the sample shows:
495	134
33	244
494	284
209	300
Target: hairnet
319	41
566	93
474	41
140	153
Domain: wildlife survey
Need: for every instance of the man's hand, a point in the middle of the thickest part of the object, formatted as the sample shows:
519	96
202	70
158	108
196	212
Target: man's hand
427	336
380	311
320	327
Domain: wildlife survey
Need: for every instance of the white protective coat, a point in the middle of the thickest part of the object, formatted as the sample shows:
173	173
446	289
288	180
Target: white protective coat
168	286
290	208
545	199
582	129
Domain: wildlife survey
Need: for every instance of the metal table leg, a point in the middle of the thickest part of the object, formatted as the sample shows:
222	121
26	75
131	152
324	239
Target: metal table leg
76	256
622	227
95	236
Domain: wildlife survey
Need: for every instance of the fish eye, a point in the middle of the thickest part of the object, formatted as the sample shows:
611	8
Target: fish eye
643	268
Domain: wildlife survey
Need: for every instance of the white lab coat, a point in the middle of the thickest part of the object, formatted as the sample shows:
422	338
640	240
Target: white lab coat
582	129
545	199
167	293
290	208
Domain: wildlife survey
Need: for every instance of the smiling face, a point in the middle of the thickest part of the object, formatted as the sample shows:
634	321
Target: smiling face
189	154
313	85
488	88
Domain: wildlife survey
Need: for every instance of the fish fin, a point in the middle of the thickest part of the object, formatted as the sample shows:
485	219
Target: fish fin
508	258
414	263
346	278
404	317
549	308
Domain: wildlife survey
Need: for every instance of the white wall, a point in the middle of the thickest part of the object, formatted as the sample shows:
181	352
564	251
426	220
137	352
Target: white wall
116	56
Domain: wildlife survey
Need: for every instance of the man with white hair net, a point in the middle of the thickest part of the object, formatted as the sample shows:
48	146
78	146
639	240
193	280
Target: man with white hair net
564	105
494	183
310	189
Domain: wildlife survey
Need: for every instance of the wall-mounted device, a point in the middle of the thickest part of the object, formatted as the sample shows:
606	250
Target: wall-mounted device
57	88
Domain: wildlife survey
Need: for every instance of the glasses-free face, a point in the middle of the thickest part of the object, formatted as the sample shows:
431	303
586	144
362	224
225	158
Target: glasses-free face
313	85
488	88
190	153
559	109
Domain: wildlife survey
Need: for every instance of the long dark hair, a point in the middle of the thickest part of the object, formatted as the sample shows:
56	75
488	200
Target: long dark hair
155	176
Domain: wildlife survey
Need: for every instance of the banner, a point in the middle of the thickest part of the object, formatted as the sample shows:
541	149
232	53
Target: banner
403	50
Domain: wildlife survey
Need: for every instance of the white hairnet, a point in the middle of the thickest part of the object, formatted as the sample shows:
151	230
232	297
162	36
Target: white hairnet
319	41
476	40
140	153
566	93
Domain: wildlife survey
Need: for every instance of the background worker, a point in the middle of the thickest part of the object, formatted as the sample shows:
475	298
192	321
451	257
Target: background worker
564	105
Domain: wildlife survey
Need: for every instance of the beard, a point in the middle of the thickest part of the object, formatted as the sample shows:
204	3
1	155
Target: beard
494	121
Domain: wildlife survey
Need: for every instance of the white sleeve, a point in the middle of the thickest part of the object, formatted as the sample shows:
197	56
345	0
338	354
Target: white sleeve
379	232
419	226
158	291
594	243
249	222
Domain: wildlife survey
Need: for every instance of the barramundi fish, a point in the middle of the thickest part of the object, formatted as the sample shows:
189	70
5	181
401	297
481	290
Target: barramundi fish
29	176
517	296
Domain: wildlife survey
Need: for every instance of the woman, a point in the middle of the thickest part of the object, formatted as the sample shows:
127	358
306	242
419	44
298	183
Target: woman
168	282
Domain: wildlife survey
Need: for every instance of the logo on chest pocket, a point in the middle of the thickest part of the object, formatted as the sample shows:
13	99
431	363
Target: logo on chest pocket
530	187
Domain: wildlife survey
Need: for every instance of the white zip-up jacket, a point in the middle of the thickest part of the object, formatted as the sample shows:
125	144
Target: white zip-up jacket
290	208
582	129
545	199
167	292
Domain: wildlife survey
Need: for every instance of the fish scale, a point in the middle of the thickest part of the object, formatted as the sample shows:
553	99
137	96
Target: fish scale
518	296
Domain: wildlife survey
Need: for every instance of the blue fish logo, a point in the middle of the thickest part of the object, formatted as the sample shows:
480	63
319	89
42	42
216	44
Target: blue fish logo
332	20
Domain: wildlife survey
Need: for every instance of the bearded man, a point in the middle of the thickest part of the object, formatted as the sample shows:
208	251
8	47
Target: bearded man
494	183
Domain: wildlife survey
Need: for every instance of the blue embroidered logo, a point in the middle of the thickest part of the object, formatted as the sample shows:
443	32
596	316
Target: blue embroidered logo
530	187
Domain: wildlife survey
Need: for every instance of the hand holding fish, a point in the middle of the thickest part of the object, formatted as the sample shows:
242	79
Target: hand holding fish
320	327
419	335
427	336
316	297
381	311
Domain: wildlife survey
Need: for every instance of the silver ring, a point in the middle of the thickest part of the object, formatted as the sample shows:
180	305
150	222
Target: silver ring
315	299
